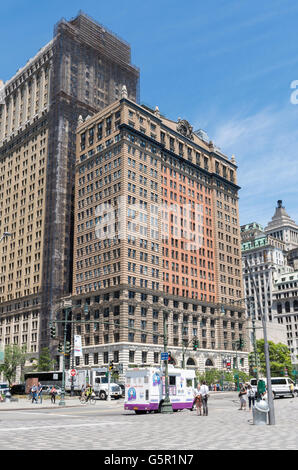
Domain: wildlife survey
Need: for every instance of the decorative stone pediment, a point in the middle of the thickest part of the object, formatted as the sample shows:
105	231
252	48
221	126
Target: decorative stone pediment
184	128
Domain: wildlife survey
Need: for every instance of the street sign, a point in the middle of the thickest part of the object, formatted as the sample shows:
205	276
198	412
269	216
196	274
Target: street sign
73	372
164	356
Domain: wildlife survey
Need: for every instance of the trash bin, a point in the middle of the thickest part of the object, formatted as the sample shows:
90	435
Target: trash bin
7	397
260	412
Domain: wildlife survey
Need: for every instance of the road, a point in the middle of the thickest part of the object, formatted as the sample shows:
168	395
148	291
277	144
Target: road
107	426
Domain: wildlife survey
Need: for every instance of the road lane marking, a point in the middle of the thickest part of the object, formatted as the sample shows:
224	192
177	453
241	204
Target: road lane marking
58	426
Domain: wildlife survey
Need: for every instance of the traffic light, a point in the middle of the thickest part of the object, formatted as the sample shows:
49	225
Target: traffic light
60	347
53	331
67	347
228	365
251	361
111	365
195	344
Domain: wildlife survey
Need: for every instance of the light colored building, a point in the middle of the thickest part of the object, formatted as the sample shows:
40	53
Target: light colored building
156	230
285	307
283	228
79	72
266	257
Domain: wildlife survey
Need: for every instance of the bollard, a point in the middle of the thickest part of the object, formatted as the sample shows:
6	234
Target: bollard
260	412
7	397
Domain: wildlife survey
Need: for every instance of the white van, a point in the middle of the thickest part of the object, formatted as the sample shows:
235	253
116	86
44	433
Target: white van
145	389
281	386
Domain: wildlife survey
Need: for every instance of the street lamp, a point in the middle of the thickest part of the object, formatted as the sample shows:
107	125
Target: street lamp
166	406
271	413
67	308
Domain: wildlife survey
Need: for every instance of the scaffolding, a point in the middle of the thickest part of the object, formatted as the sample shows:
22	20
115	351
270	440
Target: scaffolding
89	67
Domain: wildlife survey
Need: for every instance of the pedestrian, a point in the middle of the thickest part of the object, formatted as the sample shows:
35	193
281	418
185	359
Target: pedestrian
34	394
88	392
204	392
251	396
53	394
242	395
198	400
39	391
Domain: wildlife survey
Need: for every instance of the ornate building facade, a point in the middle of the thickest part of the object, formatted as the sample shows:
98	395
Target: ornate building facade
156	235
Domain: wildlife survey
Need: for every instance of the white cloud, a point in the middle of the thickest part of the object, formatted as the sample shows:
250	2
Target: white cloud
266	149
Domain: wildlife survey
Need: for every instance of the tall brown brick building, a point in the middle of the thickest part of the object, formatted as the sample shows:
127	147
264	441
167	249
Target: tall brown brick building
156	232
79	72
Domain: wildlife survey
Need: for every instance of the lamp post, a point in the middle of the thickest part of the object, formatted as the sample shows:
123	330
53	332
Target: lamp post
166	406
67	308
271	414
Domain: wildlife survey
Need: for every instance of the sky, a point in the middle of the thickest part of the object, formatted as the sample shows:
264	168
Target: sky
227	66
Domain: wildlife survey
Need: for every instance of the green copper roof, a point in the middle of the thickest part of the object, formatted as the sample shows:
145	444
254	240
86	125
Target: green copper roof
262	241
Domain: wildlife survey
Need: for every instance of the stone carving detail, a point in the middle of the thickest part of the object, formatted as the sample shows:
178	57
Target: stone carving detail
184	128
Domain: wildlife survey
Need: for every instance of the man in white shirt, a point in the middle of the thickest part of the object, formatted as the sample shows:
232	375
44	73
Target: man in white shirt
204	392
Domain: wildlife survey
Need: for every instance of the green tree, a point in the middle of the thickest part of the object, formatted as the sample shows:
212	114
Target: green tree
279	357
45	362
14	356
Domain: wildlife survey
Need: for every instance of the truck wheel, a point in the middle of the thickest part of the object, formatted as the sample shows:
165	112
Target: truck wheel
102	395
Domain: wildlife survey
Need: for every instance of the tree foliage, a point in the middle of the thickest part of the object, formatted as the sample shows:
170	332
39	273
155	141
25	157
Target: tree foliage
45	362
14	356
279	357
213	376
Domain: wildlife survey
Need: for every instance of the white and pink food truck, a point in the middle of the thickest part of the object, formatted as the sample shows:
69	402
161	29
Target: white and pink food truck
145	389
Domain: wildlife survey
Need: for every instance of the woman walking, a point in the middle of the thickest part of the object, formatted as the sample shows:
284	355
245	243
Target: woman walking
53	394
198	400
251	396
242	396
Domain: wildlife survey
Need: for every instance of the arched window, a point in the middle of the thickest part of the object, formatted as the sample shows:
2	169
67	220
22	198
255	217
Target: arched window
209	363
190	362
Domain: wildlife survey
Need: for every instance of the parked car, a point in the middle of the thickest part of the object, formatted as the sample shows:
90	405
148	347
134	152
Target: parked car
281	386
122	386
4	388
46	389
18	389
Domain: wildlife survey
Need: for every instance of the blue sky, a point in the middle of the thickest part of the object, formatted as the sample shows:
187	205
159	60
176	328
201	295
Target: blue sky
226	66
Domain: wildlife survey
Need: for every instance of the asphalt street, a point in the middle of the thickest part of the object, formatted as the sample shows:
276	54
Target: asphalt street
106	425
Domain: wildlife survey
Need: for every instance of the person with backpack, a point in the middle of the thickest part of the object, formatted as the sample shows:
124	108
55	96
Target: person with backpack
34	393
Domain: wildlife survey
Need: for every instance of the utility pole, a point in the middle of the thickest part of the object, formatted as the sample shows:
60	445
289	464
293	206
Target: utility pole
67	309
166	406
253	321
271	414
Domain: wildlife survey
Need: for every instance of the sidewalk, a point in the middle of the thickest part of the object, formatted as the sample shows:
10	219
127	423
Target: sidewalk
25	403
